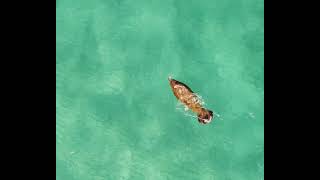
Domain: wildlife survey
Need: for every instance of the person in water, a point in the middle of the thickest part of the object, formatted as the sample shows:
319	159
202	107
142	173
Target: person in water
185	95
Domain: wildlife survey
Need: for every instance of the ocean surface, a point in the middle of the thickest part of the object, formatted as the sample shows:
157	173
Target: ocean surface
116	114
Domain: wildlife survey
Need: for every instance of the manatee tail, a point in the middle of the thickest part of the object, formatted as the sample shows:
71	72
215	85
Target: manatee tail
205	117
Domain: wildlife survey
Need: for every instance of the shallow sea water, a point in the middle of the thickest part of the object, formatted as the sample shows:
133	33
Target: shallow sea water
116	114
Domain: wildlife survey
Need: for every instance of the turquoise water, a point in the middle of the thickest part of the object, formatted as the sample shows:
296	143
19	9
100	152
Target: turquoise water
116	114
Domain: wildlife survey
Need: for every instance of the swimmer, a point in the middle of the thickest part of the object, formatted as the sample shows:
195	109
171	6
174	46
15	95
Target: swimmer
185	95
